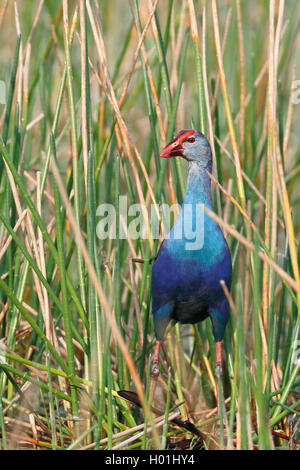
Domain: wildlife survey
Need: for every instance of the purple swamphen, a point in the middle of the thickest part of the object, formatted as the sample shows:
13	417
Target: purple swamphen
194	257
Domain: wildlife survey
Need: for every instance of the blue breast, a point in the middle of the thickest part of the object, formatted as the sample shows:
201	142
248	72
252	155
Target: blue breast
191	262
179	272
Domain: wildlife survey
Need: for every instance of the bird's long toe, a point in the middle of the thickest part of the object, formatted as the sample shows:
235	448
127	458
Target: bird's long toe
155	369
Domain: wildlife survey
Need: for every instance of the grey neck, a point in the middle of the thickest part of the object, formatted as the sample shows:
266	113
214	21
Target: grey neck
198	184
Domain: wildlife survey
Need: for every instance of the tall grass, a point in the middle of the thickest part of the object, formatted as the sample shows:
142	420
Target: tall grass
93	92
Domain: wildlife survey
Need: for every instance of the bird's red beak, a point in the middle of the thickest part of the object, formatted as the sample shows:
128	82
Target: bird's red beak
175	148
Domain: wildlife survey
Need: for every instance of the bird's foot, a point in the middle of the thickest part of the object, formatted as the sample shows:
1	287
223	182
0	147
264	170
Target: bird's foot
155	369
219	370
219	387
155	361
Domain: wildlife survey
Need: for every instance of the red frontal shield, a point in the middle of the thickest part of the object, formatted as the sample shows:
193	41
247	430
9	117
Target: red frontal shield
175	148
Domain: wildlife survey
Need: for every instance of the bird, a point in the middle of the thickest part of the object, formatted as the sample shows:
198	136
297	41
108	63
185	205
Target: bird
194	258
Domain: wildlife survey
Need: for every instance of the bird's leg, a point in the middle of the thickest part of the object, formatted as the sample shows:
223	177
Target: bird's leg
219	354
220	395
154	371
219	373
155	366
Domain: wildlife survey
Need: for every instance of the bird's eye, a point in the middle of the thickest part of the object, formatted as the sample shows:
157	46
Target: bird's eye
191	140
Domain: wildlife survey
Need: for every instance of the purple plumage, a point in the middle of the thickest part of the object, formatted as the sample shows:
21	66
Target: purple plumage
195	257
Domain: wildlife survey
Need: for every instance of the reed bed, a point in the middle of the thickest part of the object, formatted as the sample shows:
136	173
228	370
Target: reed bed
93	91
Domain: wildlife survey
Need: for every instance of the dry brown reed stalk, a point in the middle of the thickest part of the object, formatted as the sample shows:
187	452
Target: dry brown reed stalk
152	8
140	62
97	32
34	24
224	42
242	76
227	105
246	178
208	110
292	283
2	11
157	422
289	118
84	119
18	91
258	81
100	293
136	54
233	200
247	280
176	44
7	242
130	245
270	187
46	311
227	209
30	237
